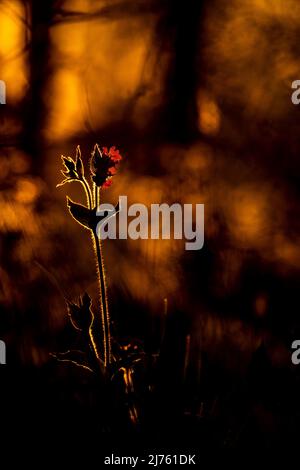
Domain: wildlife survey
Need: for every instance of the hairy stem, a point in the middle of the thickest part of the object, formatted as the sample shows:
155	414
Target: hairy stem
87	192
103	291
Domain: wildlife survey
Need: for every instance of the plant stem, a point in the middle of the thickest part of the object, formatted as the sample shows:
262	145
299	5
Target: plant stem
101	273
87	192
103	291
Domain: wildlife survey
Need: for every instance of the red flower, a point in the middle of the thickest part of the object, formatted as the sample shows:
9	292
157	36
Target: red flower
107	183
103	165
114	154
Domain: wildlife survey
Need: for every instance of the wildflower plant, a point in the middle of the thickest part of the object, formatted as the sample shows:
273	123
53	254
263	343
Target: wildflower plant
103	166
113	362
100	354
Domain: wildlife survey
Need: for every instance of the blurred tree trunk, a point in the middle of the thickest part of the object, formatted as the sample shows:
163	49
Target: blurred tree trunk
42	13
183	23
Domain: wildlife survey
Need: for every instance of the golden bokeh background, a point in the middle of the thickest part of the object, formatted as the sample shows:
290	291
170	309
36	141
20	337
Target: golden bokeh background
200	108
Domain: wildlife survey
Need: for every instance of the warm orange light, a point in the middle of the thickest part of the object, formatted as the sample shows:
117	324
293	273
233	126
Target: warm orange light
13	67
102	67
209	118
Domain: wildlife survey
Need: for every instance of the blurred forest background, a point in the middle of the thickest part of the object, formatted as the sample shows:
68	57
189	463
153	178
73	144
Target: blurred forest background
197	97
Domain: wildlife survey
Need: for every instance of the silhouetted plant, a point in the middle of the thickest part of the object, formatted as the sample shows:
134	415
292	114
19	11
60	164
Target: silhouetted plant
101	355
103	165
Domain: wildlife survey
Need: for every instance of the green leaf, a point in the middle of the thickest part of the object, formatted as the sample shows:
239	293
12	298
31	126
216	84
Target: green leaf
74	169
82	215
80	314
69	163
88	218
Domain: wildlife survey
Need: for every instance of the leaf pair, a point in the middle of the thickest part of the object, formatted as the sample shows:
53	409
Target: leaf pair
82	319
103	166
